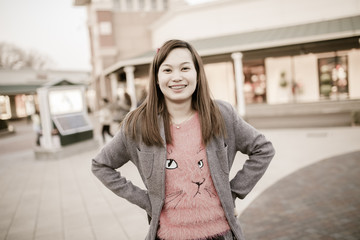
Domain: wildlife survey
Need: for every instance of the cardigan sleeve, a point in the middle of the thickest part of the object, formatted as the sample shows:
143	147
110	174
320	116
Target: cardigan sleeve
104	166
260	152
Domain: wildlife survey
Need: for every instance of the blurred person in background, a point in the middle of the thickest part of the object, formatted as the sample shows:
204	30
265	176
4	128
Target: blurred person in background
183	144
105	118
36	124
142	97
122	107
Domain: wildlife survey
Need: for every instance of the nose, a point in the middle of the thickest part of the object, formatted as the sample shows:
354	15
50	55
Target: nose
199	182
177	76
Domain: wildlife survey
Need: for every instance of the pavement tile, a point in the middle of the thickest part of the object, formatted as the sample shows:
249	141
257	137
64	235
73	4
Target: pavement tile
80	234
109	231
48	236
52	226
23	234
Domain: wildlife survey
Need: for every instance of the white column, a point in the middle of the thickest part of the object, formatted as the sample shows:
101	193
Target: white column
123	6
160	5
136	5
45	118
130	84
114	85
239	82
103	91
147	5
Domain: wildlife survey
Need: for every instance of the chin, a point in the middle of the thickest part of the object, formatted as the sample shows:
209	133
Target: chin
181	99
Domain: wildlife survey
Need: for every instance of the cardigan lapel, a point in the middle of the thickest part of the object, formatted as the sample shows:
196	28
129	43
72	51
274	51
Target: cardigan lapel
157	178
217	160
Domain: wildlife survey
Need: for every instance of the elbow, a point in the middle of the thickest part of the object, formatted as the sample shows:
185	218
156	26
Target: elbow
272	150
266	152
95	167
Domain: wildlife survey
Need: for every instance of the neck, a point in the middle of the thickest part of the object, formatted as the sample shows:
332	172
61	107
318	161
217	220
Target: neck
179	112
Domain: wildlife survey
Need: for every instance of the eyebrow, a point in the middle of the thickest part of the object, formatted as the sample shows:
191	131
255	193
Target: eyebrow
166	64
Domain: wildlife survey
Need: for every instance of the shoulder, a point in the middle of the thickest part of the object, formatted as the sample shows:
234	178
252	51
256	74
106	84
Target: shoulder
223	105
226	109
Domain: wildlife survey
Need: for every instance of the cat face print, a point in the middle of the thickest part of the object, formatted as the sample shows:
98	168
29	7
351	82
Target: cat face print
188	179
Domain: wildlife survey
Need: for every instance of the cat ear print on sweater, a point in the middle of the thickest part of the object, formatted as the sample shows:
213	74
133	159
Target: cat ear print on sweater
169	150
200	149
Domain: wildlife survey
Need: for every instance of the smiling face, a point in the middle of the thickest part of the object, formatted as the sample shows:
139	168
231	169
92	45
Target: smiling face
177	76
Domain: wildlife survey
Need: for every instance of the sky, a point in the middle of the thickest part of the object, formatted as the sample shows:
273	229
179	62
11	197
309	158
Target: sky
54	28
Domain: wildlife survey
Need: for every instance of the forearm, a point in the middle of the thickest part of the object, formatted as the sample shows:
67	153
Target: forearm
118	184
254	168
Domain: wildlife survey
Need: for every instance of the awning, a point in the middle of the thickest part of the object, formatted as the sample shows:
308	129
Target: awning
269	38
297	34
81	2
18	89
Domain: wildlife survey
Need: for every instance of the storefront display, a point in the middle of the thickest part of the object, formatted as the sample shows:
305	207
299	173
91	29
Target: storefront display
68	112
5	109
333	77
65	101
255	84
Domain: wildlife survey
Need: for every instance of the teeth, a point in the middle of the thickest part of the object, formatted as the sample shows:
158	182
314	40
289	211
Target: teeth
177	87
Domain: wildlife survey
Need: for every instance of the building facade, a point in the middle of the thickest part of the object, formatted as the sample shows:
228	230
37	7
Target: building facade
256	53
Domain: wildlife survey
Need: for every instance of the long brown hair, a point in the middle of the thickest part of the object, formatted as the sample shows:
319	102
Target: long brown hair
145	117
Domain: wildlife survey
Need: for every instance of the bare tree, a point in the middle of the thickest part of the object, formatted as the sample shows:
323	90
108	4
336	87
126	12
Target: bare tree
13	57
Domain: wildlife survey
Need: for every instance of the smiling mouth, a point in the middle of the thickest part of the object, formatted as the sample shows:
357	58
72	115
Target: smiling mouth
178	86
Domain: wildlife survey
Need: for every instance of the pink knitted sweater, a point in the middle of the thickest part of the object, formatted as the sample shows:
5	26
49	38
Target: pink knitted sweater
192	207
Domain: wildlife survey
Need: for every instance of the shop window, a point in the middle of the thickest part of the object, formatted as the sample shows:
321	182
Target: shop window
333	77
20	105
105	28
5	109
254	84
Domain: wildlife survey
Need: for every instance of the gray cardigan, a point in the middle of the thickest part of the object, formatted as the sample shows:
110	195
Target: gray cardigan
150	162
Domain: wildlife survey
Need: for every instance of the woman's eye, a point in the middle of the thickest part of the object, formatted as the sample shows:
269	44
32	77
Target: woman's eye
185	68
167	70
200	163
171	164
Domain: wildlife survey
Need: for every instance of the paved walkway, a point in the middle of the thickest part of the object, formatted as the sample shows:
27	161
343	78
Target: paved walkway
321	201
61	199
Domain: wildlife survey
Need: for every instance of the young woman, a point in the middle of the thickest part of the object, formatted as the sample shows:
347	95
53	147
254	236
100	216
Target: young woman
184	144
